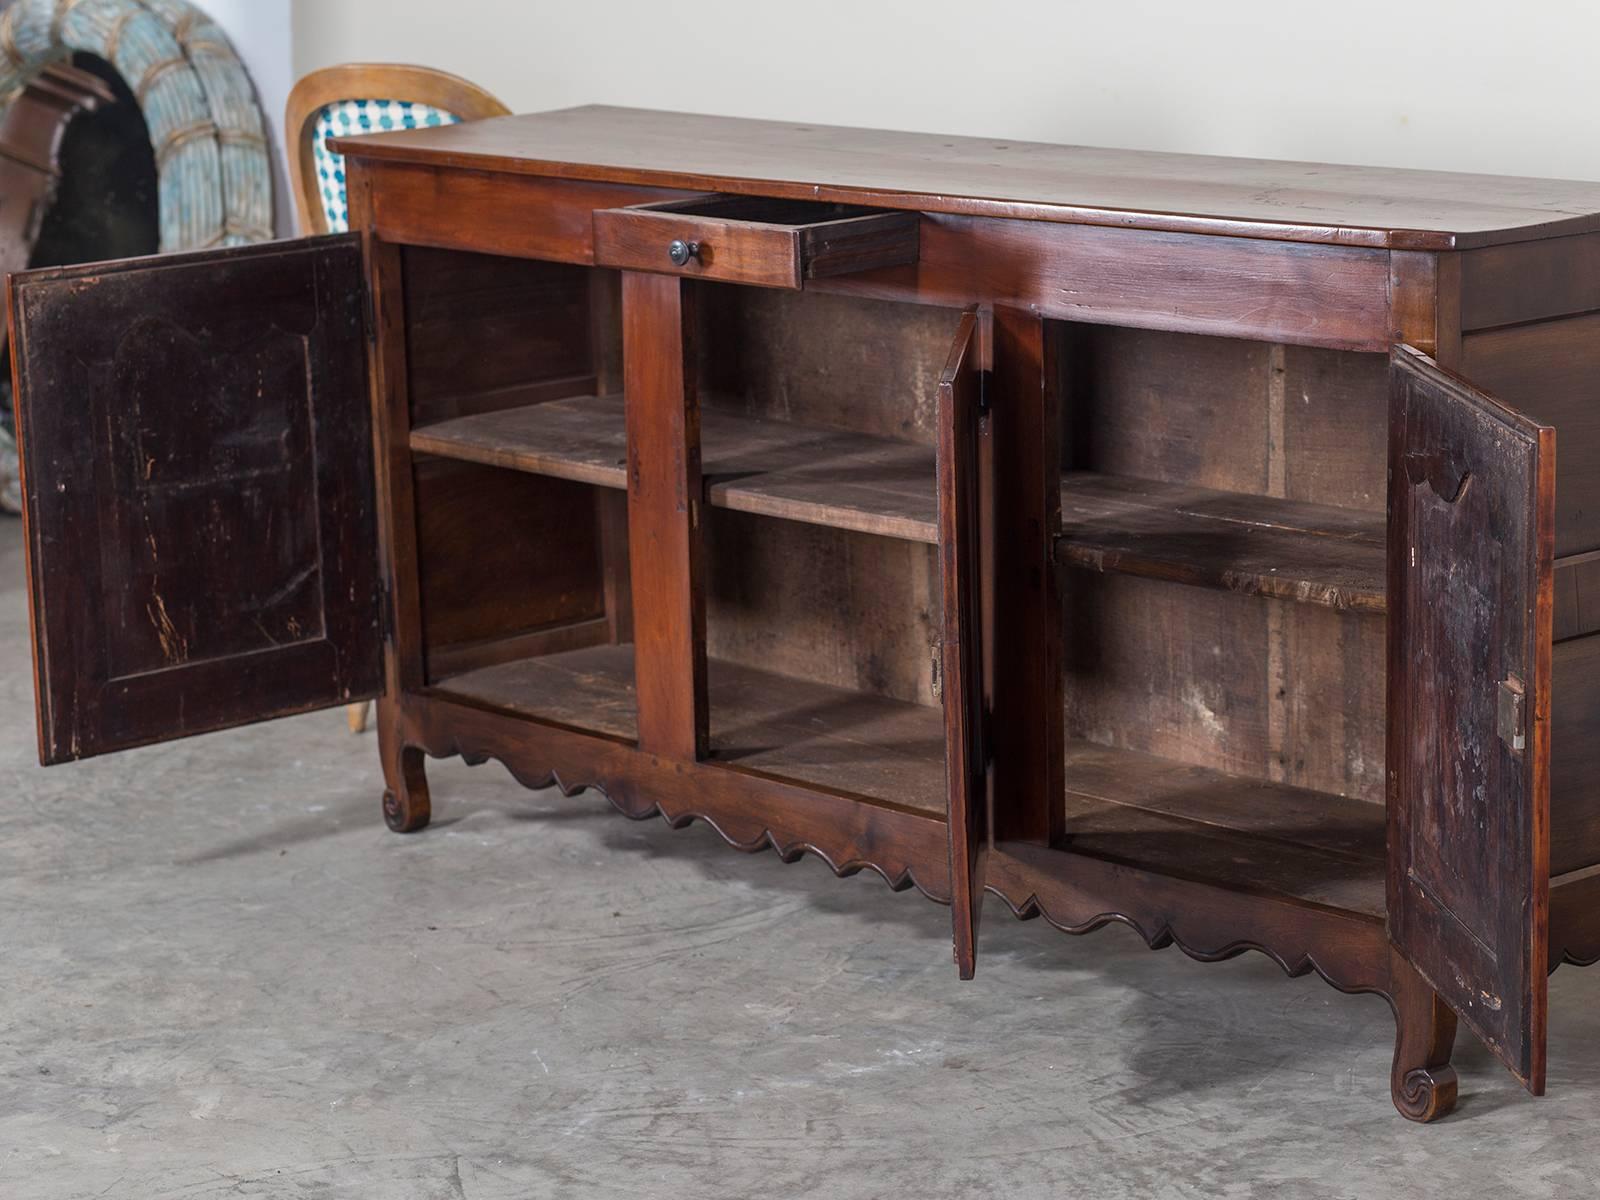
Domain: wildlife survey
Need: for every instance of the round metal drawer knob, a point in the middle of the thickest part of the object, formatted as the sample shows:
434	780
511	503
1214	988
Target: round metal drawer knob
680	252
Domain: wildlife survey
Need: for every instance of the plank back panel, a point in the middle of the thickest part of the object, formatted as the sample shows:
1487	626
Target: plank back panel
838	361
1270	689
1296	422
846	609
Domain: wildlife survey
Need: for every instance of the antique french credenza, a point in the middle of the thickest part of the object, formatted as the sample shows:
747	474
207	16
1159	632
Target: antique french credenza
1136	537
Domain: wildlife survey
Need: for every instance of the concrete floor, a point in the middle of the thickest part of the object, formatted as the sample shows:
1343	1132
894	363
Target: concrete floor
224	978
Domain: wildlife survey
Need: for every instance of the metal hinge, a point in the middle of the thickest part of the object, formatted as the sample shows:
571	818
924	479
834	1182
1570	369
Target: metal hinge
1513	714
936	653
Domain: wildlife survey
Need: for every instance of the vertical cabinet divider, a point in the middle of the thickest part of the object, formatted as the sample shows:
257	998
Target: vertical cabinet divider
665	551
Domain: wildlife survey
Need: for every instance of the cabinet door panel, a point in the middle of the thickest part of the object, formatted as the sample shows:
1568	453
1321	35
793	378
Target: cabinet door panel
198	473
1471	538
960	398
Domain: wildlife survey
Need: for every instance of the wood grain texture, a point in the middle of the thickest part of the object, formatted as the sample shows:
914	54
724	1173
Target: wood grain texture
1023	651
1239	415
1575	918
1211	922
1548	370
1310	553
546	568
1577	594
1244	834
486	333
960	648
773	468
749	809
847	609
415	205
1574	756
847	742
1335	296
198	491
1271	689
862	365
665	546
1530	281
753	240
404	646
1373	206
1470	537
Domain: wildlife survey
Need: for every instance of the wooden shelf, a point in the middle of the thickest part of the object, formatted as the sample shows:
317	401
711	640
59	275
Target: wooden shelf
844	741
1311	553
775	468
1212	827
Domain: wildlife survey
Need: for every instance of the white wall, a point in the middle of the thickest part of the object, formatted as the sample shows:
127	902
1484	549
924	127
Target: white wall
1453	84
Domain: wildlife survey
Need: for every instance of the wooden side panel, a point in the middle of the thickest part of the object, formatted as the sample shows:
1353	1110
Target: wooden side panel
199	488
1470	580
1551	371
1575	756
545	567
1022	475
961	673
486	333
665	546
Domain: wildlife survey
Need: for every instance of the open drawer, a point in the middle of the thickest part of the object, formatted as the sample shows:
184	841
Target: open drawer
753	239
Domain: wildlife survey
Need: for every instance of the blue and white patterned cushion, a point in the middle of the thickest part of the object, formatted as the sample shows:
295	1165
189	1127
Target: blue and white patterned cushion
349	117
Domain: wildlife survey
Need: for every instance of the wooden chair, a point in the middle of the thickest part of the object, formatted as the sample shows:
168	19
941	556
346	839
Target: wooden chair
358	98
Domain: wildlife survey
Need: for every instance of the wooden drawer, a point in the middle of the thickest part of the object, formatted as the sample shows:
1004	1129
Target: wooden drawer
751	239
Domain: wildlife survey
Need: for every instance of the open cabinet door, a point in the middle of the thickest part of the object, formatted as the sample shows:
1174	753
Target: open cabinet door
960	399
1471	539
197	468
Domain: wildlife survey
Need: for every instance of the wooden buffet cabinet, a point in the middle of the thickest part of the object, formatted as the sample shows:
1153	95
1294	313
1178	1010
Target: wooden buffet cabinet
1135	537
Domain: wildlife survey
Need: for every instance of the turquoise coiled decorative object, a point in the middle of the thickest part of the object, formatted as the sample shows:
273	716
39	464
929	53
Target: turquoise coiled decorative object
206	128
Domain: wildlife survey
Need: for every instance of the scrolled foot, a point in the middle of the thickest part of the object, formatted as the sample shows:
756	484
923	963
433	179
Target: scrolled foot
405	815
406	805
1422	1082
1426	1093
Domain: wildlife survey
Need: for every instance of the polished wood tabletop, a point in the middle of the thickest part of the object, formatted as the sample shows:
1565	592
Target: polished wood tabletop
1293	201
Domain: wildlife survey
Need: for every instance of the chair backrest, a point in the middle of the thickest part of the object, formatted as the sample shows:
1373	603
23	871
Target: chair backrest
364	98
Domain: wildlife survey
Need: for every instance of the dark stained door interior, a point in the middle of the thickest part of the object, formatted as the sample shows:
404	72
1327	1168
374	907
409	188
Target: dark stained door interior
198	469
960	398
1471	537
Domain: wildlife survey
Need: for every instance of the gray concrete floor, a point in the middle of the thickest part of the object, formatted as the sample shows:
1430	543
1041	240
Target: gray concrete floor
224	978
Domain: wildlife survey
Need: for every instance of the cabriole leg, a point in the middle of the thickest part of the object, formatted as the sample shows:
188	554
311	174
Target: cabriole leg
1422	1081
406	807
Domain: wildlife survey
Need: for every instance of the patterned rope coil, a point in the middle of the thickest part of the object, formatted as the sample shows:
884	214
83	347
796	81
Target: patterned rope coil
205	126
